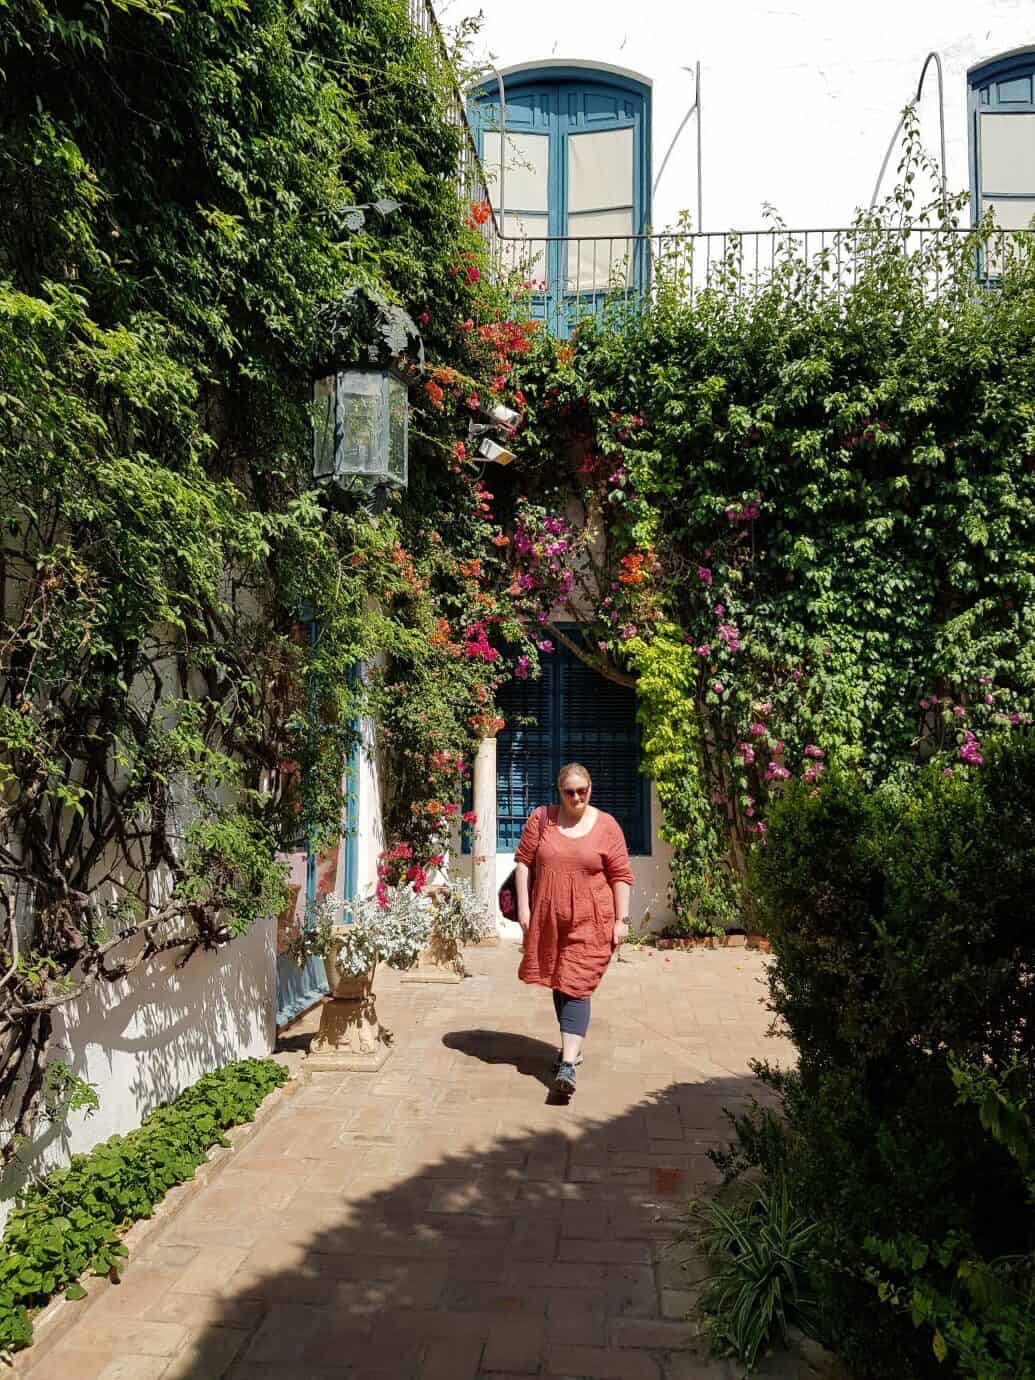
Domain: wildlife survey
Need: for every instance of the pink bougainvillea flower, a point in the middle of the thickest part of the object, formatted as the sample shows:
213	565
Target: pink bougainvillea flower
522	668
720	610
718	688
705	649
811	750
704	575
746	753
545	645
757	730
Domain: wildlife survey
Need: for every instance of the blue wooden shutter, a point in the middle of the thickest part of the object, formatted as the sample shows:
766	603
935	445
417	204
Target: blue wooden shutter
526	752
599	729
578	716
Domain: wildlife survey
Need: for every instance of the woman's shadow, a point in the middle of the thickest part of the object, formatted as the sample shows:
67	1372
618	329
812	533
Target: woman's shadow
531	1058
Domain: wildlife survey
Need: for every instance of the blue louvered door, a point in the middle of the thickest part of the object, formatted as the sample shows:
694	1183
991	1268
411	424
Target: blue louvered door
570	715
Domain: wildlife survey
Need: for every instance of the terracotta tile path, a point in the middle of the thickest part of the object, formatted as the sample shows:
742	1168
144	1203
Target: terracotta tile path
444	1219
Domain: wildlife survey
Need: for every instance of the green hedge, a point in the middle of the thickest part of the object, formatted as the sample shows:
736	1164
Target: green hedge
72	1220
902	922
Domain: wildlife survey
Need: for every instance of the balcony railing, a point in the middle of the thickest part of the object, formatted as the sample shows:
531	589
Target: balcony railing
566	278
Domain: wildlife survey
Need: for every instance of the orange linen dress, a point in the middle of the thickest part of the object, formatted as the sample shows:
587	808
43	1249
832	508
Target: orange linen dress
569	940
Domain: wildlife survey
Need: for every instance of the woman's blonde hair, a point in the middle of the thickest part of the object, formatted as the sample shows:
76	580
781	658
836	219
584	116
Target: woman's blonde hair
572	769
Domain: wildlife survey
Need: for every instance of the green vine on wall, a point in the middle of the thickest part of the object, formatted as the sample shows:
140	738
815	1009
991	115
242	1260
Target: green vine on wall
187	198
816	506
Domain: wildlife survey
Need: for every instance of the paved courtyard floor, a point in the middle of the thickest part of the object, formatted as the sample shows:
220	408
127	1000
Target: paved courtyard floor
446	1218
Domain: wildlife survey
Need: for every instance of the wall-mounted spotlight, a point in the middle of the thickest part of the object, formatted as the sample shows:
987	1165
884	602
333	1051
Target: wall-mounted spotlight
489	450
504	416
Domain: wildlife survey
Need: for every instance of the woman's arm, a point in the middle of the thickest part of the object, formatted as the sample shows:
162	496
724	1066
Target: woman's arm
622	892
524	909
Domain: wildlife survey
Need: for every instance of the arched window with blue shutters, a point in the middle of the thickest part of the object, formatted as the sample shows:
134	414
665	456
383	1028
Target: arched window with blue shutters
571	714
1001	94
573	192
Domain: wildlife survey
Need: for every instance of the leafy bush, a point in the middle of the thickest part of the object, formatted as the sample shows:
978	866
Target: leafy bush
813	498
902	923
761	1288
72	1220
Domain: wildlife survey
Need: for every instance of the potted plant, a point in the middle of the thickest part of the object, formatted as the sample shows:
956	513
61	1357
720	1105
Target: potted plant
457	918
352	938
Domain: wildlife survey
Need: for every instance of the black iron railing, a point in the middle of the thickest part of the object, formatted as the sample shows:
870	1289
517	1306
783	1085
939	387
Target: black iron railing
566	278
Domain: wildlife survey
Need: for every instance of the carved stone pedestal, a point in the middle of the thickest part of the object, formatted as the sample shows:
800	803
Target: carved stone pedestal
350	1038
441	960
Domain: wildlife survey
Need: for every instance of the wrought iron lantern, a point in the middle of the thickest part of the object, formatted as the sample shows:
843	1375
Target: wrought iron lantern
360	431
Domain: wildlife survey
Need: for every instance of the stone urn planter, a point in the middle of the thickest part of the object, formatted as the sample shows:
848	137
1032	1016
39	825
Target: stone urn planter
350	1037
456	919
441	960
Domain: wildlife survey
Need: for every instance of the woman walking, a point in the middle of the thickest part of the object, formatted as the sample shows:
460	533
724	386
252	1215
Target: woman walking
578	913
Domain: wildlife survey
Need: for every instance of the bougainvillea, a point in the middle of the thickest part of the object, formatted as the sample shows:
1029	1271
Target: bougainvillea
812	508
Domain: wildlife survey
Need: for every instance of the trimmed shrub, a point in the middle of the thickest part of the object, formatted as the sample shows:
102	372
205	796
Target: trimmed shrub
902	920
72	1220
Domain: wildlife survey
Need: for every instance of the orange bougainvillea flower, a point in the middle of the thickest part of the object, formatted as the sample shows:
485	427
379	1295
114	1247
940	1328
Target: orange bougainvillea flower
434	392
471	570
500	539
480	212
460	450
633	572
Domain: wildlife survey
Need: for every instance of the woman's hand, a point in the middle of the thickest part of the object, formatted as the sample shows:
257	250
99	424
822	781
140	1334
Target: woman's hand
620	935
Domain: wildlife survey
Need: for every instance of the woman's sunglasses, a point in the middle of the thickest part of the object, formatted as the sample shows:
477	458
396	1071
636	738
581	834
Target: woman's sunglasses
574	790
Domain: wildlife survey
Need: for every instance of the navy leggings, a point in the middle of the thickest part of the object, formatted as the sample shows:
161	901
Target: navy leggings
572	1013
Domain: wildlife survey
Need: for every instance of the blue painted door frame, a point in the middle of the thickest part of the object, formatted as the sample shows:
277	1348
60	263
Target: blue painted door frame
298	988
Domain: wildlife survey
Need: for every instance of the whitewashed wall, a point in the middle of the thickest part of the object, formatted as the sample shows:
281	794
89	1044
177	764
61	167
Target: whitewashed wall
142	1041
799	100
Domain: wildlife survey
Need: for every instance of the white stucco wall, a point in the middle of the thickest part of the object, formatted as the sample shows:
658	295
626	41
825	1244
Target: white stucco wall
799	99
142	1041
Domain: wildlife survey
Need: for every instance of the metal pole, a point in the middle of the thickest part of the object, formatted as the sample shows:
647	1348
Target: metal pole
898	128
695	108
697	102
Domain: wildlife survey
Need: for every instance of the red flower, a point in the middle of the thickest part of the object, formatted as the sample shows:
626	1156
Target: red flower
460	450
472	273
434	392
469	817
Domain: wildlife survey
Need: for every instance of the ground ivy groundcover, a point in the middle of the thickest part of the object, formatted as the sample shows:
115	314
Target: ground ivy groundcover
72	1220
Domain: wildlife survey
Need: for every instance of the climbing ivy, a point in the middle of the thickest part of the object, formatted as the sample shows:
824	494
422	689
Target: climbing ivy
201	209
817	497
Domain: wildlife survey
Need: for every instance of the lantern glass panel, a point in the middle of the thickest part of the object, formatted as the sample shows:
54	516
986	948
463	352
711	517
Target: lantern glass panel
398	420
324	391
363	424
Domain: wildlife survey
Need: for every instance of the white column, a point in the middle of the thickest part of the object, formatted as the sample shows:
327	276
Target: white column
483	849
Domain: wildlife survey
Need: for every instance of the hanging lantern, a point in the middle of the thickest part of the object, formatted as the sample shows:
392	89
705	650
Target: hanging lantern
361	428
